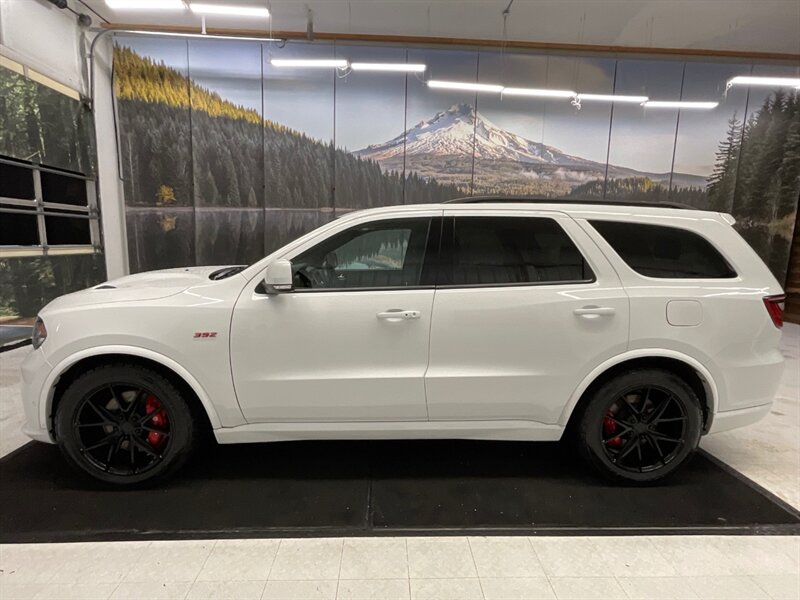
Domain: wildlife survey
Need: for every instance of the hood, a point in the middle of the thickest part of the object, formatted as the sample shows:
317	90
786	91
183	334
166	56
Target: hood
151	285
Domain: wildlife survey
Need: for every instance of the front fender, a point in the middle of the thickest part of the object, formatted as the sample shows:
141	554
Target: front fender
46	399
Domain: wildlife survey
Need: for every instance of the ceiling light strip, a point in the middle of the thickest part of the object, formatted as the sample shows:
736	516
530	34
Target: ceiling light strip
146	4
210	36
538	92
402	67
691	104
202	8
612	98
768	81
309	63
466	86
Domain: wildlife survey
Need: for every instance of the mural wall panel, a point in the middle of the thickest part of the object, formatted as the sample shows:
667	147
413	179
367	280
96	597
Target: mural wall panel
370	131
642	139
440	136
337	139
707	142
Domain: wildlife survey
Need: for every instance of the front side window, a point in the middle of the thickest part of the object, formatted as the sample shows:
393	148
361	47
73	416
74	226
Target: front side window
382	254
509	251
664	252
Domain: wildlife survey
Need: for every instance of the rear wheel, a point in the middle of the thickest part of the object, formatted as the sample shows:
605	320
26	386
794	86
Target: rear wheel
124	424
641	426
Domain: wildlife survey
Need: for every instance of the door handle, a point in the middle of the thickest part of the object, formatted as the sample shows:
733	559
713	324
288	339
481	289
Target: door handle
399	313
591	312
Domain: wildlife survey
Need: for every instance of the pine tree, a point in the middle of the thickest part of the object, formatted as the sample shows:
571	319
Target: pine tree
722	181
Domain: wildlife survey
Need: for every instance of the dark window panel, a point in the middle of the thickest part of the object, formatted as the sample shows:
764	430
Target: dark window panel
18	229
16	182
63	189
664	252
67	231
511	250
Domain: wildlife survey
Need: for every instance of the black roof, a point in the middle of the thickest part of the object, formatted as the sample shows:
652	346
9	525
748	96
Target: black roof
540	200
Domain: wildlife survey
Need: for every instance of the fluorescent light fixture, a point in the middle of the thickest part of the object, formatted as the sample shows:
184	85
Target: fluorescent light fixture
310	63
208	36
679	104
470	87
512	91
770	81
224	9
404	67
146	4
612	98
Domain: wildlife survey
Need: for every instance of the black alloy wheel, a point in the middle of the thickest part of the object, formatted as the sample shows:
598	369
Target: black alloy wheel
644	429
125	424
640	426
122	429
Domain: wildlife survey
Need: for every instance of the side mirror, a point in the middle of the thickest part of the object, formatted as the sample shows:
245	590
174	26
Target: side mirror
278	278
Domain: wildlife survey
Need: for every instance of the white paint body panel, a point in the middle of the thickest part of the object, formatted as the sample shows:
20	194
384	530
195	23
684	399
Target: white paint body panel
517	352
503	362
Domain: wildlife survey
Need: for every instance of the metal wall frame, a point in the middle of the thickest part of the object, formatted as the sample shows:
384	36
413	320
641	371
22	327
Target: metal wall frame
42	209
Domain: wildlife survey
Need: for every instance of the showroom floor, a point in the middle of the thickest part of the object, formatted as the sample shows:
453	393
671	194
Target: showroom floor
438	567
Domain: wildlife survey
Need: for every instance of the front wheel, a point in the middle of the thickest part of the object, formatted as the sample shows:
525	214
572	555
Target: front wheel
641	426
124	424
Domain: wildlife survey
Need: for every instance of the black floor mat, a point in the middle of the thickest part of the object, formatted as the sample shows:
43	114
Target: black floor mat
376	488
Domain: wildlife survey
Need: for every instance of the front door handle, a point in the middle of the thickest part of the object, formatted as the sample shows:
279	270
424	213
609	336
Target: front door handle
398	313
591	312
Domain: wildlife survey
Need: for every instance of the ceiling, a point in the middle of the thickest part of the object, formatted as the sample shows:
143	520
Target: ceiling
731	25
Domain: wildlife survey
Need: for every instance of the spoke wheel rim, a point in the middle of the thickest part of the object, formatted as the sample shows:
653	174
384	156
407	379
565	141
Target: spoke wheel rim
122	429
644	429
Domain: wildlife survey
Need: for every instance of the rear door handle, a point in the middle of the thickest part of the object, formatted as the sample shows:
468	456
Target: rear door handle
398	313
595	311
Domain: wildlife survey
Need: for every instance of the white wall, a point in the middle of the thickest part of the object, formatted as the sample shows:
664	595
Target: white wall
112	203
737	25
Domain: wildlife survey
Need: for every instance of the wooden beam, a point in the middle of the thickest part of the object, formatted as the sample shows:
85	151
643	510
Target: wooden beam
471	42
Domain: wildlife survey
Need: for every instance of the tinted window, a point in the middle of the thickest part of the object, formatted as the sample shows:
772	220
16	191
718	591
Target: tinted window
373	255
665	252
509	250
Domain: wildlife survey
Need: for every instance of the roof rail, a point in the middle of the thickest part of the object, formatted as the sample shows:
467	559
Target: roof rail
539	200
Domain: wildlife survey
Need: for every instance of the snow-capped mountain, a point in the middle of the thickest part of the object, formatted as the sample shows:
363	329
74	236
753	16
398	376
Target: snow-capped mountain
451	132
442	148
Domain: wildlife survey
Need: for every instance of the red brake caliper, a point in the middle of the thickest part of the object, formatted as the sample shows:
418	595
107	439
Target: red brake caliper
610	428
158	420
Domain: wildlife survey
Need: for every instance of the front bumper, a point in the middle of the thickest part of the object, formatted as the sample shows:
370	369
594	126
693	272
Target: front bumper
35	371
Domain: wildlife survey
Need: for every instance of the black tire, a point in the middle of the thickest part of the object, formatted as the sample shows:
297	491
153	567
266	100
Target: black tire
627	446
154	429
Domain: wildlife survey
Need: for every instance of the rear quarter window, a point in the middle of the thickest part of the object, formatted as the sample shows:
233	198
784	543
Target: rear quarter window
664	252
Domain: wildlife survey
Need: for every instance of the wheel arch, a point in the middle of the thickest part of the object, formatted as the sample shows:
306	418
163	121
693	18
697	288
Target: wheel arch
70	368
686	367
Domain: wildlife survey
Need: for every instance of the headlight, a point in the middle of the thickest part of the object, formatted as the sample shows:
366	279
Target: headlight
39	333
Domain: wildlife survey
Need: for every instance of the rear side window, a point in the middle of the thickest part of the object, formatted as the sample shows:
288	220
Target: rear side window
508	251
664	252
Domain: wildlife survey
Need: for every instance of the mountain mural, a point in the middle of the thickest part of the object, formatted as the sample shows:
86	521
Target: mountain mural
442	148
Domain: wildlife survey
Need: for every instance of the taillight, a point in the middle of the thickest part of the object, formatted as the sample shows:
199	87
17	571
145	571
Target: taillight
774	306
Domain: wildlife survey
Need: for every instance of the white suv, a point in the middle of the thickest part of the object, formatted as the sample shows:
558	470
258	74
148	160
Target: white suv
634	328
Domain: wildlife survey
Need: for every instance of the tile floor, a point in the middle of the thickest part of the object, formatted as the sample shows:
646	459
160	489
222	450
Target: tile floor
461	568
458	568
